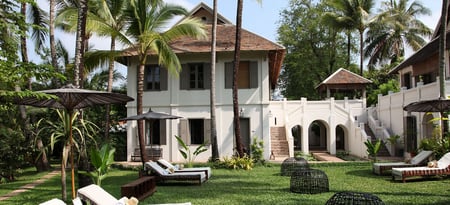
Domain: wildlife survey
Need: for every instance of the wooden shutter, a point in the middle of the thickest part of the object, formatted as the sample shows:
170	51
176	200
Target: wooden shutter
184	77
184	131
253	74
411	133
162	132
207	131
228	75
164	78
207	75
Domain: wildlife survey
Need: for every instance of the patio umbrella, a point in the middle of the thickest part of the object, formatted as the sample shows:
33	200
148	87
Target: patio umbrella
150	116
71	98
440	105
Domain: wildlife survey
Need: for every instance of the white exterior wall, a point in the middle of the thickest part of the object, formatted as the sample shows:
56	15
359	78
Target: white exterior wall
390	107
256	105
195	104
331	113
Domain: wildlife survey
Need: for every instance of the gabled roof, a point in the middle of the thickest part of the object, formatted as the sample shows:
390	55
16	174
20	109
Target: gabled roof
225	40
343	79
204	12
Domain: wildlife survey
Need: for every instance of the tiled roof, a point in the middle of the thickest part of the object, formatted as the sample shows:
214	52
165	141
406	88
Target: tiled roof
343	78
225	40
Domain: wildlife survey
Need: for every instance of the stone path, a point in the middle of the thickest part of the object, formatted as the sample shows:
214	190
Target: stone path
29	186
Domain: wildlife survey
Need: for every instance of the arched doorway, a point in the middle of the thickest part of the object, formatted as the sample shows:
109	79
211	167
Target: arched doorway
428	125
317	136
341	141
297	135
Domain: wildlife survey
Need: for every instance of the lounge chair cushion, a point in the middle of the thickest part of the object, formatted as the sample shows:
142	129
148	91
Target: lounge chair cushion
169	165
442	168
96	195
53	202
419	159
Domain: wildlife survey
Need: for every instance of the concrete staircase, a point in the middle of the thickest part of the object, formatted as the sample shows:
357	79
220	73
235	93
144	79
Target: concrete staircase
383	152
279	144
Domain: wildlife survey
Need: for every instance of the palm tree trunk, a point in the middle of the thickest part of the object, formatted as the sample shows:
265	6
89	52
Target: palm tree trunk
214	144
361	57
52	41
80	43
41	162
237	52
139	101
349	45
110	82
442	53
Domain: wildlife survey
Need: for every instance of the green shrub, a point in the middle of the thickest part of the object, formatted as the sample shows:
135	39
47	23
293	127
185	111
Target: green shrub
437	145
236	162
257	148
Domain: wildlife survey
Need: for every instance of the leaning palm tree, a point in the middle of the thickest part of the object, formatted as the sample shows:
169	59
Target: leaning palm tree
395	28
145	33
353	15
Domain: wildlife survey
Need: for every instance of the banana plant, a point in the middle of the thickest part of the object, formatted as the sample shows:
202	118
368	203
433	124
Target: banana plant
185	151
101	160
372	149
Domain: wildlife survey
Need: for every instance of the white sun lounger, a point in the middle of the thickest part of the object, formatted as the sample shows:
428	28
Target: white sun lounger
169	165
419	160
443	168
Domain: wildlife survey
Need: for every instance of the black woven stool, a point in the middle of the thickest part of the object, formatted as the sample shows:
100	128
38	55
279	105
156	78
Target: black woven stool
357	198
310	181
293	164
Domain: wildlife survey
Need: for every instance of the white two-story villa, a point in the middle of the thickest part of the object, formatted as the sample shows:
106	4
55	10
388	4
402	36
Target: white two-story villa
284	126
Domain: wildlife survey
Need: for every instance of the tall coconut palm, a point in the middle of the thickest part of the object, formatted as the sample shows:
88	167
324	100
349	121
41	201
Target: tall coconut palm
395	28
107	19
145	32
237	55
353	15
37	17
214	144
442	47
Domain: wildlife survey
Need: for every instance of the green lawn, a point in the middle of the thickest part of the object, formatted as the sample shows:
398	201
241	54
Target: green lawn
262	185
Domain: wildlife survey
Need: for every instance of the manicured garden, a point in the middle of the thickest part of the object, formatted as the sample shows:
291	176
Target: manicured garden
262	185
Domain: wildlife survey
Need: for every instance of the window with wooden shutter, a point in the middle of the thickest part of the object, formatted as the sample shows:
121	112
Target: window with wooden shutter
195	76
155	78
207	131
247	75
184	131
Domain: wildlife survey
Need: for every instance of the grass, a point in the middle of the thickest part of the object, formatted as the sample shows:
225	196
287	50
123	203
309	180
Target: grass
262	185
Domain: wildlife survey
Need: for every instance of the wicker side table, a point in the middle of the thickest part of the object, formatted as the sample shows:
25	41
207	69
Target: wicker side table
310	181
354	198
292	164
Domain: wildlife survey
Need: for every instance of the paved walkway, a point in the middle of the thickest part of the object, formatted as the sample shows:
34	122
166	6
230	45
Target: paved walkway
29	186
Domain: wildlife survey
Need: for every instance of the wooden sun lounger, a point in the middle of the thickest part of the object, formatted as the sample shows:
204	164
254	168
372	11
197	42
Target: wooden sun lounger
164	175
442	169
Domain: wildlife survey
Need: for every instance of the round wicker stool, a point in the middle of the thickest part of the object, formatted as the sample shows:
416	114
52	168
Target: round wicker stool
293	164
310	181
354	198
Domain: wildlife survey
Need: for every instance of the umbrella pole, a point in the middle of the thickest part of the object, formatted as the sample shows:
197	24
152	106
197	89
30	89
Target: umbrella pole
71	154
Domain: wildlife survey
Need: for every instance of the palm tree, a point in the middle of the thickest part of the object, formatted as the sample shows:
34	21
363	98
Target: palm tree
353	15
107	19
214	144
442	48
145	32
36	16
237	54
395	28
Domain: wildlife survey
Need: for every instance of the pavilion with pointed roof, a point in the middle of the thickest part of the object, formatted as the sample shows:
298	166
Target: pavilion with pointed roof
344	80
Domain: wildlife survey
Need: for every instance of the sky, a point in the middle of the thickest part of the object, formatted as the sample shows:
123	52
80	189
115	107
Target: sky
259	18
